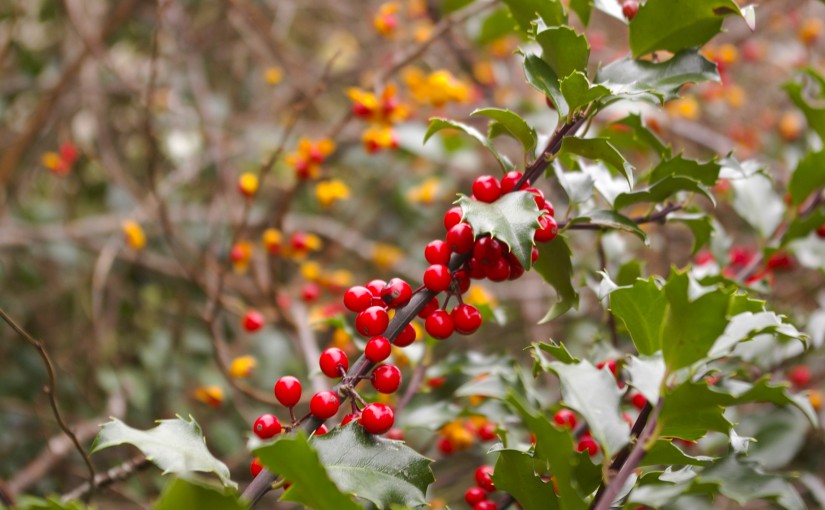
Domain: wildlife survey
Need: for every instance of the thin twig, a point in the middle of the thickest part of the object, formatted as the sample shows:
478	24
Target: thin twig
115	474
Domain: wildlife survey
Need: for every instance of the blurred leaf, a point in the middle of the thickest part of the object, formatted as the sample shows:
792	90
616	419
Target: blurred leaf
175	446
25	502
691	409
646	375
662	190
641	133
578	92
665	453
598	149
514	474
700	224
778	436
611	220
557	351
512	219
764	390
582	8
542	78
437	124
756	202
801	227
742	482
181	493
564	50
629	272
514	125
448	6
498	24
555	265
525	11
706	173
577	185
814	114
808	177
611	8
747	325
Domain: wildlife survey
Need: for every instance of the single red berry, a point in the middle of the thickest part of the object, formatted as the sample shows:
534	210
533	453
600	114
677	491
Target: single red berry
255	466
357	299
610	364
395	433
349	417
800	376
548	208
437	252
267	426
324	404
487	250
310	292
486	505
638	400
462	279
475	495
474	268
428	308
565	418
460	238
548	230
439	325
516	269
445	446
499	271
437	278
386	379
330	361
780	260
288	390
320	431
360	110
436	382
487	188
538	197
397	293
487	432
452	217
484	478
377	418
253	320
406	337
466	319
372	322
376	286
820	232
509	181
587	443
68	153
630	8
378	349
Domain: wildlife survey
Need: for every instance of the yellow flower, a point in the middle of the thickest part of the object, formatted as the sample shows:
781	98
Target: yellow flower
306	160
727	54
273	75
339	278
311	271
375	139
135	237
479	296
686	107
329	192
248	184
424	193
436	89
385	256
385	110
242	366
815	398
272	239
385	20
210	395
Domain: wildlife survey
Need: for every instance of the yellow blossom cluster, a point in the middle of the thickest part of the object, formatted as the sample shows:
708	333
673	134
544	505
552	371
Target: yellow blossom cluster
331	191
437	88
133	234
307	159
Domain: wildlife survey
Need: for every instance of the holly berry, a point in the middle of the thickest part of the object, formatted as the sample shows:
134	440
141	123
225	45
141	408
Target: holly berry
565	418
483	476
357	299
508	182
377	418
320	431
475	495
288	390
610	364
397	293
587	443
800	376
548	230
486	505
474	268
487	189
267	426
348	418
376	286
638	400
820	232
378	349
460	238
330	361
406	337
437	252
428	309
538	197
310	292
452	217
255	466
445	446
462	280
439	325
516	269
372	322
466	319
630	8
386	379
487	250
487	432
499	271
395	433
324	404
253	320
437	278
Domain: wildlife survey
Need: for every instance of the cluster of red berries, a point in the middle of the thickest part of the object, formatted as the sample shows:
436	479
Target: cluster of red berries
566	418
476	496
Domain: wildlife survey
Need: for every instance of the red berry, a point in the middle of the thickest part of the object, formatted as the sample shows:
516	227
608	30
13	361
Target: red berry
508	182
349	417
320	431
475	495
548	229
406	337
820	232
445	446
460	238
462	279
378	349
499	271
429	308
638	400
452	217
267	426
587	443
565	418
439	325
474	268
800	376
377	418
395	433
516	269
466	319
487	250
630	8
310	292
358	298
534	254
486	505
330	361
288	390
436	382
487	188
437	278
372	322
386	379
483	476
610	364
255	466
253	320
376	286
68	153
548	208
538	197
397	293
437	252
487	432
324	404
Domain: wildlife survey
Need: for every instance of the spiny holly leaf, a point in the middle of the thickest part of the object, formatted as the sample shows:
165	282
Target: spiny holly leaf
514	125
691	409
662	190
707	173
542	78
555	265
582	8
564	50
665	453
438	123
185	494
557	350
612	220
756	202
593	394
294	458
380	470
745	326
742	482
808	176
646	375
700	224
514	474
674	26
642	134
551	12
599	149
655	82
815	115
764	390
579	93
175	446
498	24
512	219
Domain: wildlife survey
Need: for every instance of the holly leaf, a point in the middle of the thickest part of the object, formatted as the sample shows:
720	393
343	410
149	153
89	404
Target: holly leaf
675	26
541	77
498	24
665	453
186	494
815	115
700	224
747	325
743	482
578	92
643	135
756	202
611	220
598	149
802	226
564	50
582	8
513	125
706	173
26	502
691	409
662	190
175	446
438	123
808	177
555	265
515	474
525	11
512	219
646	375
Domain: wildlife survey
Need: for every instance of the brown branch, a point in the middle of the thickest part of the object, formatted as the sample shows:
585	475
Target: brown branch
102	480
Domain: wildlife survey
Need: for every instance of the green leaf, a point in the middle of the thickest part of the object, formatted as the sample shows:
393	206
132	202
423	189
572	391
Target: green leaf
598	149
181	493
764	390
578	92
582	8
564	50
691	409
643	135
514	125
175	446
756	202
677	25
743	482
662	190
801	227
808	177
706	173
498	24
438	123
815	115
656	82
612	220
514	474
555	265
542	78
700	224
512	219
558	351
26	502
646	375
293	458
745	326
593	394
665	453
525	11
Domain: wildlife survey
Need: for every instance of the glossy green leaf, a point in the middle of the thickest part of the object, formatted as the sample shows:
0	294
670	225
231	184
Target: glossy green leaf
558	351
598	149
564	50
691	409
811	107
438	123
551	12
512	219
512	124
175	446
514	474
662	190
555	265
181	493
700	224
646	375
583	9
579	93
745	326
612	220
641	308
808	177
665	453
706	173
677	25
542	78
